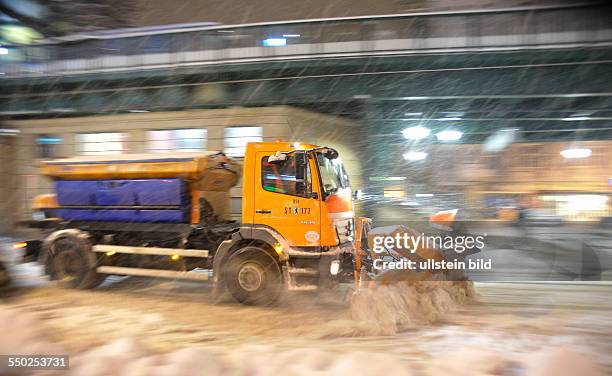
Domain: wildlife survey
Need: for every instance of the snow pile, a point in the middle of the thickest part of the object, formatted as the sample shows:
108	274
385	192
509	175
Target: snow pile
389	309
266	360
548	361
470	361
22	334
126	357
560	361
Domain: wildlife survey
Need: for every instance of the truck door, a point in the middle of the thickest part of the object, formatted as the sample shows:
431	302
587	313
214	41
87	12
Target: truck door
287	198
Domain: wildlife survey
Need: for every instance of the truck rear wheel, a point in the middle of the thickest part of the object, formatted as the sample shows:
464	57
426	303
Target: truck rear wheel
253	276
72	264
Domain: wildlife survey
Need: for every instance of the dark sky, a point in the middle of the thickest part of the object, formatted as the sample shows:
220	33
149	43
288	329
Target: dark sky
160	12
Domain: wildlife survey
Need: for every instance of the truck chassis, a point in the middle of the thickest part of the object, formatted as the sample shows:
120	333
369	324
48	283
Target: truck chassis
253	262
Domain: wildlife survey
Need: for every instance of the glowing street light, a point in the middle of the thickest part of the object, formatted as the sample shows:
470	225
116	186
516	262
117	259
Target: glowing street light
573	153
449	135
415	155
499	140
274	42
416	133
575	118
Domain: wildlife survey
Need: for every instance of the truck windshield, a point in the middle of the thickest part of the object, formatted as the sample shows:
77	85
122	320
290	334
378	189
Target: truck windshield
332	172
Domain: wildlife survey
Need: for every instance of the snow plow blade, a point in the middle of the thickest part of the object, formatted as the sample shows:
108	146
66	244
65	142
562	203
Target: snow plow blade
365	266
419	254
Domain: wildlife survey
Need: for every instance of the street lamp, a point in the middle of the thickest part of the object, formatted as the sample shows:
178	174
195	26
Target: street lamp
449	135
573	153
415	156
416	133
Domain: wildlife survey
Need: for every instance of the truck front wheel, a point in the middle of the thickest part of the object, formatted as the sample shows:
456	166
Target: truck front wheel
253	276
72	264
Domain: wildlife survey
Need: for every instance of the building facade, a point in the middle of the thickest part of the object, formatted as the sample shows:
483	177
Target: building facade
226	130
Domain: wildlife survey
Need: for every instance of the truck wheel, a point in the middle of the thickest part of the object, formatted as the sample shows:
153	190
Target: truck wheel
253	277
72	264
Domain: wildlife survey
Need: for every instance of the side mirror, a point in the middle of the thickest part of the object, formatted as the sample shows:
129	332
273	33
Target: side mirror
357	194
330	153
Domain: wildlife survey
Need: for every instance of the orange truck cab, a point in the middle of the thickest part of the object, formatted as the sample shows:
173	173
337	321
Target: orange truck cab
305	197
297	198
158	215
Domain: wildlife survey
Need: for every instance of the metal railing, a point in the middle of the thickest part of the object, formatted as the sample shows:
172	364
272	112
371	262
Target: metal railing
497	29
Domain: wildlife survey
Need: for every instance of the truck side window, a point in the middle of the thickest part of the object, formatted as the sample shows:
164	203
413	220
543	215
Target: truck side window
287	177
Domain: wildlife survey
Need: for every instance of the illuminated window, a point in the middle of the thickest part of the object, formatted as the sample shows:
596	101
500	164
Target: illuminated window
184	140
102	143
236	139
579	207
47	145
394	191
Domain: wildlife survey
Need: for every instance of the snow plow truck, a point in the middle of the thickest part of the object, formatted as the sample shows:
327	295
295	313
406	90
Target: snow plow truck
159	215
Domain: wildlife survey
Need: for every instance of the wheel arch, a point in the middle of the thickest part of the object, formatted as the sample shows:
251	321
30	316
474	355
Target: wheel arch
87	276
261	237
48	242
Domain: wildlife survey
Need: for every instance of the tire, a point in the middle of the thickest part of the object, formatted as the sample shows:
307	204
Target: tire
72	264
253	277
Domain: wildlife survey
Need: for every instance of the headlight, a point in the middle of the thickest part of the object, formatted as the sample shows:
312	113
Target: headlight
38	215
20	245
334	267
